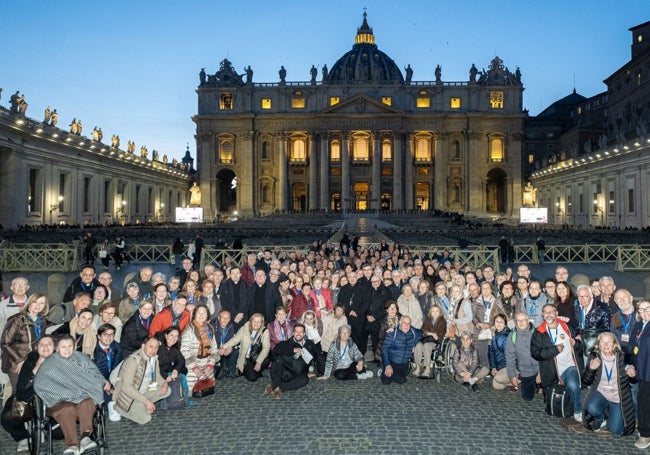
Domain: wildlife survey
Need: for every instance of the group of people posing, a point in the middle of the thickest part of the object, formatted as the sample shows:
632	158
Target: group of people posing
320	314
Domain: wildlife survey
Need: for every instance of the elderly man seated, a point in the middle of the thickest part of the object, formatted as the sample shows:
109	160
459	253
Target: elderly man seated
397	350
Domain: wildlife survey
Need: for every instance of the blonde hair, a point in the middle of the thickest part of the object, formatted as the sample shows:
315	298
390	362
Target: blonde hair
617	345
33	298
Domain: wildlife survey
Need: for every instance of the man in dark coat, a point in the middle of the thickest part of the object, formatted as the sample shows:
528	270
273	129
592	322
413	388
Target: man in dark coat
356	300
290	367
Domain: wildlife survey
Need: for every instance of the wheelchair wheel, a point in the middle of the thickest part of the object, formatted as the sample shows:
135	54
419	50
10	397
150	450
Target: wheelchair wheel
450	351
99	426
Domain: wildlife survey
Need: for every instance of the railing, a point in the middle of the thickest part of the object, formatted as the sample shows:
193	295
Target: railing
43	257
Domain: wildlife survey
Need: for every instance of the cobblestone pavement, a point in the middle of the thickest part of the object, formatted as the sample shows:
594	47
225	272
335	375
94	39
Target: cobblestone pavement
355	417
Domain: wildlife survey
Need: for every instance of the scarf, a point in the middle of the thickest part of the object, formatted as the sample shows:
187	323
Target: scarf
89	337
204	340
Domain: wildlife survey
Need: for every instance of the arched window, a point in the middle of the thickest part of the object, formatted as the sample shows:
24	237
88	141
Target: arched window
360	151
455	150
335	202
386	150
497	154
422	149
299	150
335	151
266	151
226	152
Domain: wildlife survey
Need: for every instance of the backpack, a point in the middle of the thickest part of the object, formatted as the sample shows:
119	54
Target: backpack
178	396
559	403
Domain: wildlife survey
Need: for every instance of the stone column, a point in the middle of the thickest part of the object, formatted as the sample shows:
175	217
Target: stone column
312	153
205	160
324	173
282	171
398	189
510	196
376	174
246	180
345	172
440	172
408	174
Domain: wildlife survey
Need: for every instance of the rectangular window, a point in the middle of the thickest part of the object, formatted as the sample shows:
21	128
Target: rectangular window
581	203
387	100
423	171
150	201
423	103
630	200
63	183
496	100
225	102
334	100
34	196
612	203
107	196
86	195
298	103
266	103
335	151
169	202
386	171
335	171
568	204
531	158
386	151
455	103
137	199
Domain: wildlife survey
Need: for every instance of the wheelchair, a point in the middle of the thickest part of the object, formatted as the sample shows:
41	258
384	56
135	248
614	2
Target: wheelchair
441	359
43	430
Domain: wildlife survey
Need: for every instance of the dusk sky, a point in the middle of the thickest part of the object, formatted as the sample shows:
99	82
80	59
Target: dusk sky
131	67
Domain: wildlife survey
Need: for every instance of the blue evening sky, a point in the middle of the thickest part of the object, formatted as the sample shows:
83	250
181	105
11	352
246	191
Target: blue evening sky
131	67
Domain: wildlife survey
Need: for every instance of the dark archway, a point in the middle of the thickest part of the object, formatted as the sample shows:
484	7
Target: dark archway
495	191
226	191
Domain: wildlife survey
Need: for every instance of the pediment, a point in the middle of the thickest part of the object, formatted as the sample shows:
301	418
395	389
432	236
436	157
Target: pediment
361	105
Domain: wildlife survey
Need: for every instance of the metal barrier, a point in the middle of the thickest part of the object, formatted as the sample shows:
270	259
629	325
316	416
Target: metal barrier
65	258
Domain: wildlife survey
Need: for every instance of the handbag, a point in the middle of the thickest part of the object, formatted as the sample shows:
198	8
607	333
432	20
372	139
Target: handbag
559	402
256	348
103	254
21	410
203	388
485	334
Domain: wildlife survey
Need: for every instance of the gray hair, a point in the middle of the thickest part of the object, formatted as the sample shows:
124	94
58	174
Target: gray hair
132	286
583	286
345	327
606	278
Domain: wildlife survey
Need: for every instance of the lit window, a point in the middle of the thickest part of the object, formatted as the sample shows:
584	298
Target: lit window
335	171
334	100
266	103
360	151
422	149
225	102
423	171
335	151
225	152
386	151
386	171
639	38
387	100
496	150
531	158
455	103
298	103
423	102
579	110
299	150
496	100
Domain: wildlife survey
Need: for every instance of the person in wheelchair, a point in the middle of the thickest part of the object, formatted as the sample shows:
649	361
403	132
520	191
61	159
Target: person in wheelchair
434	328
71	386
25	390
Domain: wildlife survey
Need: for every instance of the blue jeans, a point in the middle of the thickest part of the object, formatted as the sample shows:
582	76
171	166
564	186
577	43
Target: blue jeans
571	380
596	405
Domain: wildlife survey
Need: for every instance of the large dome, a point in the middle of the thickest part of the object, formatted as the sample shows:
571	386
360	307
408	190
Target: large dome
365	63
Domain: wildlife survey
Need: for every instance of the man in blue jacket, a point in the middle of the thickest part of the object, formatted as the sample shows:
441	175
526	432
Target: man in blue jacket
397	351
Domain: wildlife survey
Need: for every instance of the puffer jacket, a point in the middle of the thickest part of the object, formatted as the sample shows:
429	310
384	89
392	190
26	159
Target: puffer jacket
129	379
18	340
592	378
497	349
398	346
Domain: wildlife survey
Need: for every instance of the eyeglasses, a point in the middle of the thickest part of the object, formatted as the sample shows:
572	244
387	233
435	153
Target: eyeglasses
644	310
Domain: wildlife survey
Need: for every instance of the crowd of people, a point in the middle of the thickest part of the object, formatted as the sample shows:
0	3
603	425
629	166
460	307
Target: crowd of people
320	314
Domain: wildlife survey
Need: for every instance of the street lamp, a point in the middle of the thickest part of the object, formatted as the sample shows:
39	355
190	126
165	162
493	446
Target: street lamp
56	206
161	211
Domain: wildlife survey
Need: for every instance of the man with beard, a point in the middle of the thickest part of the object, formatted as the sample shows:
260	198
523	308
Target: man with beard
290	367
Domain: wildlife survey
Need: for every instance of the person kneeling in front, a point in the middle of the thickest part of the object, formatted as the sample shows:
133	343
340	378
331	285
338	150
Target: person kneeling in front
139	384
397	351
290	367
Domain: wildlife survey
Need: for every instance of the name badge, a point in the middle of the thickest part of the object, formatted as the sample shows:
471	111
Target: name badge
636	350
608	388
153	386
625	338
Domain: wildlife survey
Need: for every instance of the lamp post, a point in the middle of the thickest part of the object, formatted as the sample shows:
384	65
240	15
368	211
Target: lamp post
56	206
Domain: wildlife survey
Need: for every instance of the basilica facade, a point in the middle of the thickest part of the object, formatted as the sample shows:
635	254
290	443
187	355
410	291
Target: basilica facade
360	135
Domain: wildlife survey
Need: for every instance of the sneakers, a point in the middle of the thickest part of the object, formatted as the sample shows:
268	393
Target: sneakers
577	417
268	390
365	375
86	444
113	415
23	445
642	442
72	450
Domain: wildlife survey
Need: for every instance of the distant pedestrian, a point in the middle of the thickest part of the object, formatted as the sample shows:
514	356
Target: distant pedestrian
541	250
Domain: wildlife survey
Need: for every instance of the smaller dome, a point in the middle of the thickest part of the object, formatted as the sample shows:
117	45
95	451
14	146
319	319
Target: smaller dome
365	63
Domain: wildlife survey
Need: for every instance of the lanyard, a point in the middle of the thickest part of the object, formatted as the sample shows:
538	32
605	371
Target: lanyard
37	327
582	311
345	350
629	319
608	372
445	303
553	339
282	334
136	303
533	305
108	358
224	333
152	367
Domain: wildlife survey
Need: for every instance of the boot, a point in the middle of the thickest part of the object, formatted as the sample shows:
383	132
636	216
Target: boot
416	371
426	374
